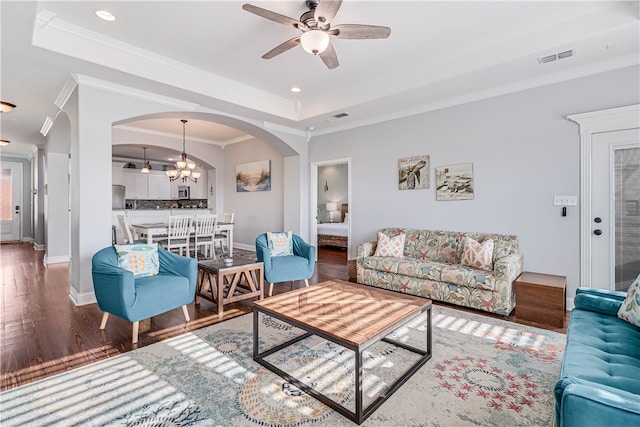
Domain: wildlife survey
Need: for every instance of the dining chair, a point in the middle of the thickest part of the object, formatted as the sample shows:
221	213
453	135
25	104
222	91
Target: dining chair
221	237
126	230
178	234
205	226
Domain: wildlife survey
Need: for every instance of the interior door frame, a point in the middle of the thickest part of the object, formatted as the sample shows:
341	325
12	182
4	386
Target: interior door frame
313	191
19	196
610	120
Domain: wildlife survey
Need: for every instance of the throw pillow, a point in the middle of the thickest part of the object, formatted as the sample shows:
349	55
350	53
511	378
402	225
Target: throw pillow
280	244
630	309
139	258
390	246
477	255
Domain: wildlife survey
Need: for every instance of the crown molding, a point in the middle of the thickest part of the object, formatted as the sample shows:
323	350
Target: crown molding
135	93
67	89
60	36
282	128
604	66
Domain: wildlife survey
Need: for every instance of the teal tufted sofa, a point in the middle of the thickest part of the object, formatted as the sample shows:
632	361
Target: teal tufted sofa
599	382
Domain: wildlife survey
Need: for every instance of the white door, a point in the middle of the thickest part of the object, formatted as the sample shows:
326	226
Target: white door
10	201
615	209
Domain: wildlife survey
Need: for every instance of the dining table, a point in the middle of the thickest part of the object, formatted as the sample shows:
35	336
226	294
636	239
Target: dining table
157	229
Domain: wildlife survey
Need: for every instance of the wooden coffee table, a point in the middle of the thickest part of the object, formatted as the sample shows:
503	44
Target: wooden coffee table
224	284
353	316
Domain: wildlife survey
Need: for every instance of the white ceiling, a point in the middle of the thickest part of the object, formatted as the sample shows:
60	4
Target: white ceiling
208	53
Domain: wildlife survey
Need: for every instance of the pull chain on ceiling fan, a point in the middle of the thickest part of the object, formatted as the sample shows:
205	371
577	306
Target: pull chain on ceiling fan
317	31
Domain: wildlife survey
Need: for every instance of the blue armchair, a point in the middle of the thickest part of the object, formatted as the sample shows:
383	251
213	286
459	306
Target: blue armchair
299	266
135	299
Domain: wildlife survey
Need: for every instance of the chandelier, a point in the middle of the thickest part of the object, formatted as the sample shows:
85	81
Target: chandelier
184	168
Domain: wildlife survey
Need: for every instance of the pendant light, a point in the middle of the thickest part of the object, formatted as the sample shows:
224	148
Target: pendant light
147	166
184	168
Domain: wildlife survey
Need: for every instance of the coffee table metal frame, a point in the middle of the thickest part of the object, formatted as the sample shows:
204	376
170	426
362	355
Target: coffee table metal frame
229	283
360	413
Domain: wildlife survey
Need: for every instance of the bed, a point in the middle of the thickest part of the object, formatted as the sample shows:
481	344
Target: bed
335	233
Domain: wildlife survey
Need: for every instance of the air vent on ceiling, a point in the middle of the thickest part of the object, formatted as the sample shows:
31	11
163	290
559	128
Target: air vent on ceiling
555	56
341	115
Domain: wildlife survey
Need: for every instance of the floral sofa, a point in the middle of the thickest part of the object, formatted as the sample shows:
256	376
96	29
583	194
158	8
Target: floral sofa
431	267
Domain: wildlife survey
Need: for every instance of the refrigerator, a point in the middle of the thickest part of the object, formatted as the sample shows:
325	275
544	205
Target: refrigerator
117	197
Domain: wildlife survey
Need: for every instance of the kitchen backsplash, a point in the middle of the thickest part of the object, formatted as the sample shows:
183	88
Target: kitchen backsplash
165	204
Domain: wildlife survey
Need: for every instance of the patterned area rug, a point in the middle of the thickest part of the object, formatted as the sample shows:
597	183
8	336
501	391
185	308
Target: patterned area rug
484	372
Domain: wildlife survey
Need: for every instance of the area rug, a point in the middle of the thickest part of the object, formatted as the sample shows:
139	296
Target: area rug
484	372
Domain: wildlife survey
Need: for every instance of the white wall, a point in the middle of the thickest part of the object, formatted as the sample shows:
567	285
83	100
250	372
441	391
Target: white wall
255	212
336	177
523	152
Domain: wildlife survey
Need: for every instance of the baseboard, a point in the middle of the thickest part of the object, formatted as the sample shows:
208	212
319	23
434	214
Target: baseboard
570	305
27	239
82	298
38	247
245	247
55	259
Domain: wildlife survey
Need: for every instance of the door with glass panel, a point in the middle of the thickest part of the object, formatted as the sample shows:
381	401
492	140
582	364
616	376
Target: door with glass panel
615	208
10	201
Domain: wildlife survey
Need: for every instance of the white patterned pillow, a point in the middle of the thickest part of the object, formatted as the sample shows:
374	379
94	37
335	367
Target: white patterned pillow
630	309
390	246
477	255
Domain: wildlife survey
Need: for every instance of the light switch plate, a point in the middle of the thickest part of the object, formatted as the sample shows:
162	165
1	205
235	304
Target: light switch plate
565	200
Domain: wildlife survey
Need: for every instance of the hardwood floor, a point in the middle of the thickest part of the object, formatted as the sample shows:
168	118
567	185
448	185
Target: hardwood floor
43	333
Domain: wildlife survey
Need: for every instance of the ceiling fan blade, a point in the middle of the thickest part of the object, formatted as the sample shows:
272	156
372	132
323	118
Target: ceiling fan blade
359	31
329	57
289	44
326	10
273	16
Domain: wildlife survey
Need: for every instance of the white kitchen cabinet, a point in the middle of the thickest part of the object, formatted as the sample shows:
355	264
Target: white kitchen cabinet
135	184
158	186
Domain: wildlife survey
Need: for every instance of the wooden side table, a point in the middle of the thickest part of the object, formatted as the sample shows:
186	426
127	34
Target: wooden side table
541	298
224	284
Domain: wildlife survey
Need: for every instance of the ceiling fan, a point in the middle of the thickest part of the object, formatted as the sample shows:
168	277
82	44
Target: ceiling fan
316	28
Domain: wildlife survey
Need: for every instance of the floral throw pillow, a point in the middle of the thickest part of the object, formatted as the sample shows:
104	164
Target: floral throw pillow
140	259
630	309
390	246
280	244
477	255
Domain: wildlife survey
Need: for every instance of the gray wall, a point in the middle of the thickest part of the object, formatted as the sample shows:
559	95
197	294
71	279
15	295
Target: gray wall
336	177
523	152
255	212
27	186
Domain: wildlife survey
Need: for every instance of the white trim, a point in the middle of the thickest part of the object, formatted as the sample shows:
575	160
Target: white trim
38	246
590	123
244	246
65	93
570	304
135	93
82	298
48	260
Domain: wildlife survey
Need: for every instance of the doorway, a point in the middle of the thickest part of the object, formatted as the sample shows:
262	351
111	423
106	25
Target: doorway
609	189
615	205
331	197
10	201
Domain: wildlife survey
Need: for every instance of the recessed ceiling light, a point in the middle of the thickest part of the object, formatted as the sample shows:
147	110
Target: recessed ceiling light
296	89
105	15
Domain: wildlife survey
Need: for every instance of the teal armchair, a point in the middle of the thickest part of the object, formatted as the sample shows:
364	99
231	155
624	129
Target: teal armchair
135	299
299	266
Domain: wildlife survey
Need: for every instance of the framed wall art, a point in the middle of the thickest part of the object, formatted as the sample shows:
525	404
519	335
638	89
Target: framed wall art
413	173
454	182
255	176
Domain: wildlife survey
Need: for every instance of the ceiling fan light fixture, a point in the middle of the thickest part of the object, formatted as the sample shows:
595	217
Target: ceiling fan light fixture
315	41
6	106
4	142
